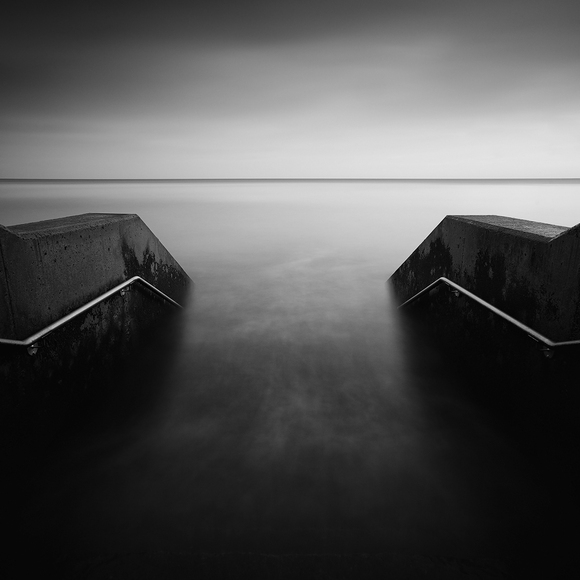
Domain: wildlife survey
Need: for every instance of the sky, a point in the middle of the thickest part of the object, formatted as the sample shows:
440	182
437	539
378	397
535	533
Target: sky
301	89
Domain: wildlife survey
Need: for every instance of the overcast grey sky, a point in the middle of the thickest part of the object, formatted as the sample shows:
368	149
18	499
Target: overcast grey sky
413	88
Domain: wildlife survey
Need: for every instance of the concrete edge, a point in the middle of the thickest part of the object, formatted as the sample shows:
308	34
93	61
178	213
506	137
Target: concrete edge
506	230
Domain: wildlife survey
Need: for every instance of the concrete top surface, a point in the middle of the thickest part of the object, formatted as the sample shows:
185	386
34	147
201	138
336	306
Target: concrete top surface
67	224
524	227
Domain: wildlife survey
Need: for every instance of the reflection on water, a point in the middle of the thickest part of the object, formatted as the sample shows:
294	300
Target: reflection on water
295	413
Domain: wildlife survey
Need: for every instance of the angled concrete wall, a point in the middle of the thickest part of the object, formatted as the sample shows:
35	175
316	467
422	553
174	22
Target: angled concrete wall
528	269
49	268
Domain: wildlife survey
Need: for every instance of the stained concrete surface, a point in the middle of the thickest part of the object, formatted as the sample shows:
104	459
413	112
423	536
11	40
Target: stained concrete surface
52	267
48	269
529	270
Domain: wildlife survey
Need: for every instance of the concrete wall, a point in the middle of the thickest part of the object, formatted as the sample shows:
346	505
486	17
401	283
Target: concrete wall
528	269
49	268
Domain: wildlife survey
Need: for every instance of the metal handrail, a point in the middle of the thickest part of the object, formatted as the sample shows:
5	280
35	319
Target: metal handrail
550	344
123	287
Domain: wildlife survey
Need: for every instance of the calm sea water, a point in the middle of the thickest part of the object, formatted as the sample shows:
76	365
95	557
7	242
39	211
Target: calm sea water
216	222
289	409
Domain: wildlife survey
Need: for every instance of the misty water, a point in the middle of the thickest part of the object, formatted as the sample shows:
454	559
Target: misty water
289	408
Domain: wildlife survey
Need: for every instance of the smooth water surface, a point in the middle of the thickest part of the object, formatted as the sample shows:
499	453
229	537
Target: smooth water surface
289	409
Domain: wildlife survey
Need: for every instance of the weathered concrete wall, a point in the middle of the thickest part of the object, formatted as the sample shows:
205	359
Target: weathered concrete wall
528	269
49	268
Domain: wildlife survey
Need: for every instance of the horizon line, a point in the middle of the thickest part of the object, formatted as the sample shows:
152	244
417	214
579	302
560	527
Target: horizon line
254	179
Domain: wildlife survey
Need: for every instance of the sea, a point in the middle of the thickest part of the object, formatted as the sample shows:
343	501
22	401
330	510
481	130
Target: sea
290	409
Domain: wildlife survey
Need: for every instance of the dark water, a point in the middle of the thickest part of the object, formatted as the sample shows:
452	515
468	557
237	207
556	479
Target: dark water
290	409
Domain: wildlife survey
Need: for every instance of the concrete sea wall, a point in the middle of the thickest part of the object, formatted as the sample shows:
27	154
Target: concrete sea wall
47	270
529	270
